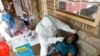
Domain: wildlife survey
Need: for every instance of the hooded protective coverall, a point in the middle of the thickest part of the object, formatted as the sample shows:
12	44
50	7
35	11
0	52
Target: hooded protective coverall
46	30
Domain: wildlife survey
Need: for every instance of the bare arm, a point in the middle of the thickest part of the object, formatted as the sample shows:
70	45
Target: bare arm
69	54
57	54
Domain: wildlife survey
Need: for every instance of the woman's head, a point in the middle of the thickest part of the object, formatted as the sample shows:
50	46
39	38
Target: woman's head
70	38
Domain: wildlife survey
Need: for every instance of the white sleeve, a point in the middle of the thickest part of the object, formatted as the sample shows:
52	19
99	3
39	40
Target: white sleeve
63	26
46	40
54	40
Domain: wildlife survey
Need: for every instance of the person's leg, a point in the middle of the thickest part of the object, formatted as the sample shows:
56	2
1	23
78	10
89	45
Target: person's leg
44	50
44	46
43	42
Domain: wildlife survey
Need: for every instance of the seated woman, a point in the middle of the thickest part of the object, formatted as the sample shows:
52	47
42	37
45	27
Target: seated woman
67	47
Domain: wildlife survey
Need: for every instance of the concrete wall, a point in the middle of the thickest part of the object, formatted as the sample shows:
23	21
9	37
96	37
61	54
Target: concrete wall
89	37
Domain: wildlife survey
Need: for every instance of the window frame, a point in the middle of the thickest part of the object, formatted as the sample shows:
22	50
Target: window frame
78	17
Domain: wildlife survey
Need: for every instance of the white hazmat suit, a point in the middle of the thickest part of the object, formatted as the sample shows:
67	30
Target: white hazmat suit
46	30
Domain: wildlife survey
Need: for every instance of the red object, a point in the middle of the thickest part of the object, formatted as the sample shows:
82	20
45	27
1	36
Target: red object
4	49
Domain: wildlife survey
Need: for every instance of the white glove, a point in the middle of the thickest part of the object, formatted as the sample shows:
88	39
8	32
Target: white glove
60	39
50	40
53	40
73	31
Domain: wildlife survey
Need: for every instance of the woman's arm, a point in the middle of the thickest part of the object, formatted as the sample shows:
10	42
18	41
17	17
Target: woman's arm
57	54
70	54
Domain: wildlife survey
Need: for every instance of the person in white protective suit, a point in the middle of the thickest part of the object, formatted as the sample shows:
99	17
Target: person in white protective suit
46	29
